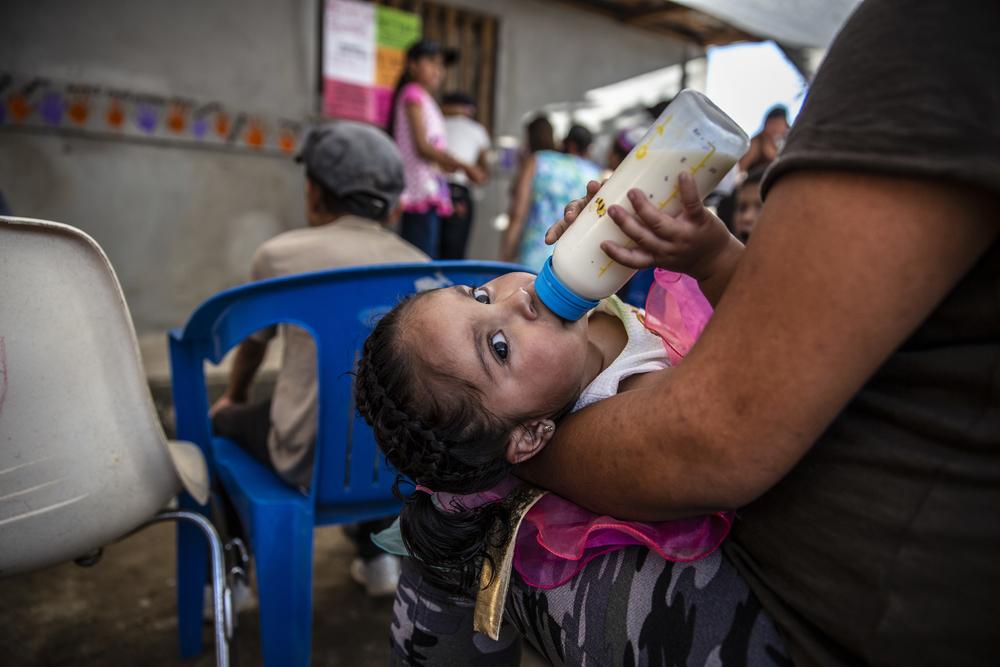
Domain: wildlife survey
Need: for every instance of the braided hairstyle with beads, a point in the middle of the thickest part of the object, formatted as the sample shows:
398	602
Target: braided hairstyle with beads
446	440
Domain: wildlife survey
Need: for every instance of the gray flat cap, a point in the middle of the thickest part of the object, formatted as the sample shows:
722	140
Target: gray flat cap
355	161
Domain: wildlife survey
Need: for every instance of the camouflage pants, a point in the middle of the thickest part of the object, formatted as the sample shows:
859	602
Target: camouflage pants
625	608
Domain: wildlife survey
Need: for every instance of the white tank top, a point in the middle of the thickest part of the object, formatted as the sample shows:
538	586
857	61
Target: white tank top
643	353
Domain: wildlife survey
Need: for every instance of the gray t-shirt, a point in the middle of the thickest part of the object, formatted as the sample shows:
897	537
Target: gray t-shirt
882	546
348	241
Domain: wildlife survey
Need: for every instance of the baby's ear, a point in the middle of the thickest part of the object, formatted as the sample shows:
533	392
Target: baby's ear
528	439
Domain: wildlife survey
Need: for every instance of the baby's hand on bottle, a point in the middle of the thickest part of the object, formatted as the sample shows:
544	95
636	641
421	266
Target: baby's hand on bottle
691	243
571	212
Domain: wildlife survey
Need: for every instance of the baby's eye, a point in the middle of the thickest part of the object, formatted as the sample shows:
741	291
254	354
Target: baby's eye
481	295
499	344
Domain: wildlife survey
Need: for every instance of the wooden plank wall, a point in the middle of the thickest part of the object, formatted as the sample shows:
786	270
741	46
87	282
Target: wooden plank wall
474	35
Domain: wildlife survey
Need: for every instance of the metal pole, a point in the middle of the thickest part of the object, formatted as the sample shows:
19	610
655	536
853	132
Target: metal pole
222	605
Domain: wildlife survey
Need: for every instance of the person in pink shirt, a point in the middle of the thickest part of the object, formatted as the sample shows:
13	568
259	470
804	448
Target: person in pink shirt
417	126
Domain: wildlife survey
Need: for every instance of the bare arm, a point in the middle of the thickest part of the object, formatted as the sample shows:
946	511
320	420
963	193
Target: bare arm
249	356
444	159
483	162
519	202
842	269
752	155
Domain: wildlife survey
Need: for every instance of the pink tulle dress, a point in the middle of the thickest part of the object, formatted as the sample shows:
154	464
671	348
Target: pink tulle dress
557	538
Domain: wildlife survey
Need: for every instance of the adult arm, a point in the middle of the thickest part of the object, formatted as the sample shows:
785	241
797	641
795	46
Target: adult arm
843	267
483	163
753	153
249	356
519	202
426	150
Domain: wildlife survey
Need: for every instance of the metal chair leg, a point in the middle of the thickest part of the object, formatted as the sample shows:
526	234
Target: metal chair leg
222	602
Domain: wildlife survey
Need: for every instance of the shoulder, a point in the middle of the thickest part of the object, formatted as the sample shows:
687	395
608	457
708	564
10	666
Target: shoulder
481	133
379	243
473	128
588	167
413	93
274	255
878	103
545	156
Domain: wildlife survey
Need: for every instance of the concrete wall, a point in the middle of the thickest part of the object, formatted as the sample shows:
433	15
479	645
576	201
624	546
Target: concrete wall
180	223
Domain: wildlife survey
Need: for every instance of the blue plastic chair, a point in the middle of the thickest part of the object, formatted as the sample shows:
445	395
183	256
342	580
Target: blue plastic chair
351	480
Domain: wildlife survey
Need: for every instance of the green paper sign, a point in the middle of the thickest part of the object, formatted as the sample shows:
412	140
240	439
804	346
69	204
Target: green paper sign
395	28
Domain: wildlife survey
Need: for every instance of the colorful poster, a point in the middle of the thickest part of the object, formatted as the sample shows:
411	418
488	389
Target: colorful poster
42	104
349	42
364	52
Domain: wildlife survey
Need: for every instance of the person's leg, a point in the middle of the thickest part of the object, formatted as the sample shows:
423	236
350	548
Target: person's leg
362	533
374	569
246	424
431	627
631	607
455	228
422	230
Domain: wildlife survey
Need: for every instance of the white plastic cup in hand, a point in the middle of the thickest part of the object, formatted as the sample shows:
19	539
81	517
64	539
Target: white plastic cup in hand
693	135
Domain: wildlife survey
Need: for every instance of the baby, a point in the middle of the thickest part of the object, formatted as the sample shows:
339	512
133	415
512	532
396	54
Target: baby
461	384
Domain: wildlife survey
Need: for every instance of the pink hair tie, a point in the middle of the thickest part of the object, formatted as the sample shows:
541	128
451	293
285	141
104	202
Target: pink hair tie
421	487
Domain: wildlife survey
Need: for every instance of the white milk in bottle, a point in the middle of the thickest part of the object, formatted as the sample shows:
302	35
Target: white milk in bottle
692	135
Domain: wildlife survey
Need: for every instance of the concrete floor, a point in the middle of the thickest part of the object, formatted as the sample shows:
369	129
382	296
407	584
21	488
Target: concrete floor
121	612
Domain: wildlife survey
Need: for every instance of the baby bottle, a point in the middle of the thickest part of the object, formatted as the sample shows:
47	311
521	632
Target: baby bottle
693	135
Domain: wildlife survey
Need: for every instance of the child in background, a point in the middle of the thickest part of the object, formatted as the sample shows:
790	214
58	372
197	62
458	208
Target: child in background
748	204
417	126
463	383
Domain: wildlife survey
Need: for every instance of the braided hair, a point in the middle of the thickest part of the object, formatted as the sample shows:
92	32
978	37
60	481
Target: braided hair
445	439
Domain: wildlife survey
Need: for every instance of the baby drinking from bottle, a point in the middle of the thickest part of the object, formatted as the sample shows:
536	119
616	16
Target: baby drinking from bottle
462	383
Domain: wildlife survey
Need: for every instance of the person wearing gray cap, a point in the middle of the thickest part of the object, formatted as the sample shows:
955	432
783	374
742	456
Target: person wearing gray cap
354	177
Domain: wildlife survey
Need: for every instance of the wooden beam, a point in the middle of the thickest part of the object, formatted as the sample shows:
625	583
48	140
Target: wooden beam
654	14
467	60
451	41
601	8
487	66
725	34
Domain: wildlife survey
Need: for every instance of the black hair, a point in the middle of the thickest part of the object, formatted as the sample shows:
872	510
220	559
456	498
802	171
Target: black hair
360	204
657	109
755	175
404	78
777	111
540	135
445	440
421	49
580	136
459	98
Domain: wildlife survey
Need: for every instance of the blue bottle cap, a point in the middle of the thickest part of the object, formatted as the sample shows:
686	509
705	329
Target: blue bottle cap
560	299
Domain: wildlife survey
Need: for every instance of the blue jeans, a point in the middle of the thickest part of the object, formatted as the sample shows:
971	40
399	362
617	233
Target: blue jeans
455	228
422	230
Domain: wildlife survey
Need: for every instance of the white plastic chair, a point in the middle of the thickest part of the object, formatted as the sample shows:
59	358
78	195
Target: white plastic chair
83	458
